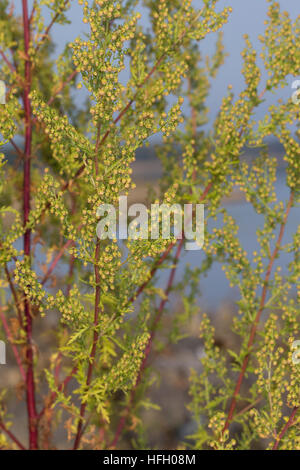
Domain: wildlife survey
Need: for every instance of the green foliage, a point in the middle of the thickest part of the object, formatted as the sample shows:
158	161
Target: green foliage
102	294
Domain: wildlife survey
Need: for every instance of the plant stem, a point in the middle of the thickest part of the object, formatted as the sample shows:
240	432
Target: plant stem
60	388
148	348
80	429
123	419
56	260
11	67
11	435
14	294
95	341
47	31
286	427
30	385
11	340
131	101
258	315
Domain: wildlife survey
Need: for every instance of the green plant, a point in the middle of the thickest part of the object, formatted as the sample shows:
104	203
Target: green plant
75	159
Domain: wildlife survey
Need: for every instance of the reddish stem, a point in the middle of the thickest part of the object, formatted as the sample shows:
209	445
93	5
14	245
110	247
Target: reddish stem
62	86
17	149
30	385
11	436
53	395
47	31
148	348
11	340
258	315
56	260
286	427
164	255
11	67
152	272
119	117
14	294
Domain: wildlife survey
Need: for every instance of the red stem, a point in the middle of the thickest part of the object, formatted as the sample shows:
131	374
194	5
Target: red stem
46	33
14	348
164	255
14	294
148	348
286	427
152	273
258	315
56	260
11	67
11	436
53	395
62	86
30	385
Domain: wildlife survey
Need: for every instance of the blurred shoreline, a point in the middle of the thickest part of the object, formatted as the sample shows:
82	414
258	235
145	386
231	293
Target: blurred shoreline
147	170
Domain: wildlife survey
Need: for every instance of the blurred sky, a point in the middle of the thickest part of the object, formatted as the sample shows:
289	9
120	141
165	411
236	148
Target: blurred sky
248	17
